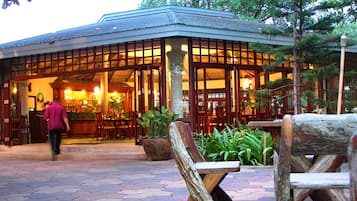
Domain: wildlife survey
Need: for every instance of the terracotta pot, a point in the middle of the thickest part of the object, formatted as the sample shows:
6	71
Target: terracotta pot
157	148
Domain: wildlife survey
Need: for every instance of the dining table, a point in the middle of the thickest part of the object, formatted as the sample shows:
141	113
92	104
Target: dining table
121	126
271	126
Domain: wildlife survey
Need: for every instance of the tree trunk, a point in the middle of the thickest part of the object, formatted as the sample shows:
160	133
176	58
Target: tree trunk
297	74
297	34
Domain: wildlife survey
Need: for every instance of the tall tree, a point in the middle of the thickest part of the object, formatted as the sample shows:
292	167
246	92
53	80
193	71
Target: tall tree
152	3
309	23
252	10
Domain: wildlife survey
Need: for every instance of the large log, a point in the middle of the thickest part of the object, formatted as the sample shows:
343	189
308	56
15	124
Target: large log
322	134
316	135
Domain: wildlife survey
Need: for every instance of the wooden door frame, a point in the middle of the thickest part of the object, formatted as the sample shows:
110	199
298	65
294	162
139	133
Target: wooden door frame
5	113
194	91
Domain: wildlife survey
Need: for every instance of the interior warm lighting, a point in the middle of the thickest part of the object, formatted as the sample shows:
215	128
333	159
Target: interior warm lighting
184	47
140	53
195	51
131	54
68	94
168	48
246	83
275	76
96	90
157	52
262	78
289	76
204	51
14	90
213	52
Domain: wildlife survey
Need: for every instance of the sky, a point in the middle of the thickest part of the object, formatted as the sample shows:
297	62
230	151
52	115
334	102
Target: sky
45	16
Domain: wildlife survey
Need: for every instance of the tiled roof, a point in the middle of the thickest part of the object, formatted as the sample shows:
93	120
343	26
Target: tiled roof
167	21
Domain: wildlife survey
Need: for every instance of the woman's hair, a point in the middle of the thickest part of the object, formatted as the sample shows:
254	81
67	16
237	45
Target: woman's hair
46	103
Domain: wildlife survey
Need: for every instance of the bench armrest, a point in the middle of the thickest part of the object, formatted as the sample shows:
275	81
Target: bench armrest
320	180
219	167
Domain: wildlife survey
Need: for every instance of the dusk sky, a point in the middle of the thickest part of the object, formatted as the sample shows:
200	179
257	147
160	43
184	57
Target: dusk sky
45	16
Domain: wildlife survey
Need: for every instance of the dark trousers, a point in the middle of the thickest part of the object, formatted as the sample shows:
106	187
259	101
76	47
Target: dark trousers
54	138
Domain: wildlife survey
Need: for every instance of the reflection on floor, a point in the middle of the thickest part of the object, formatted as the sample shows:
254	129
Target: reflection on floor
95	141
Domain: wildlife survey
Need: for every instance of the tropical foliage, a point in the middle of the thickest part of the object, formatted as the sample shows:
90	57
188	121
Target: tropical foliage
156	122
236	143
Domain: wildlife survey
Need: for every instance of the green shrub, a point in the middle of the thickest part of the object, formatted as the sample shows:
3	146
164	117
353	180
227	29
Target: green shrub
236	143
156	122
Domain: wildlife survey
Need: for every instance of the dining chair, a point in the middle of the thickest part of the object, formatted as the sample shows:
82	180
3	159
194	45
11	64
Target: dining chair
103	130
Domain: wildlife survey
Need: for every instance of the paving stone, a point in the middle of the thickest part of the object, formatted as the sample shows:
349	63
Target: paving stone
117	180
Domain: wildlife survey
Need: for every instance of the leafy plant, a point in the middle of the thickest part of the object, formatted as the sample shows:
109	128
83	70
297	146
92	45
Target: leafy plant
116	104
236	143
156	122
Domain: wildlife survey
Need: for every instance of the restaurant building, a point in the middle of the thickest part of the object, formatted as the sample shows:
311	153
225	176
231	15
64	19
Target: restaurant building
197	62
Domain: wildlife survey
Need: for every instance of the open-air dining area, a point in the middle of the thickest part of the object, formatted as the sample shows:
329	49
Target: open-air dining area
211	80
178	103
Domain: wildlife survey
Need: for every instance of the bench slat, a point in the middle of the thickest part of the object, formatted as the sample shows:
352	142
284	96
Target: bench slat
217	167
328	180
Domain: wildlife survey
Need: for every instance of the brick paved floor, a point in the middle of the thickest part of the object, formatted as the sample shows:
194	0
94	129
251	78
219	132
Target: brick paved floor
115	180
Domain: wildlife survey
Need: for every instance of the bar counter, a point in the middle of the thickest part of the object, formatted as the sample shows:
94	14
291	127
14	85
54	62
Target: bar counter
82	124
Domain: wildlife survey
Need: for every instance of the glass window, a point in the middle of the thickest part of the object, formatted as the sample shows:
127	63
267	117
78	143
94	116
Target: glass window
84	59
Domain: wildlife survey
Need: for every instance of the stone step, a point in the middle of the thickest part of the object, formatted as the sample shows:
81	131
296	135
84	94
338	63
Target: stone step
42	151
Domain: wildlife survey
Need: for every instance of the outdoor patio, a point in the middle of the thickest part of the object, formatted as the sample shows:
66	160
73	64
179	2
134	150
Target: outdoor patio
109	180
108	172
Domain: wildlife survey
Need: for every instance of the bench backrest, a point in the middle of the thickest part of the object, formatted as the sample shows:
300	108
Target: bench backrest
186	164
187	138
319	134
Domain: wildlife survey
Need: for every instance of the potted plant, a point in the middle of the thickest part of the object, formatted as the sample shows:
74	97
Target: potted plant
156	125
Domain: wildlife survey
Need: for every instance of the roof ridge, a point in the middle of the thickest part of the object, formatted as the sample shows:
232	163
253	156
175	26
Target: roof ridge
164	9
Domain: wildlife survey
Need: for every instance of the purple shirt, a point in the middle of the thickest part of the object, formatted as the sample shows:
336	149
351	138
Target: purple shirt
55	113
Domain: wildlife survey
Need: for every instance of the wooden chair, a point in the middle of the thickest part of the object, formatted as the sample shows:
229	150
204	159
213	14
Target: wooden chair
103	131
16	131
202	178
325	136
219	120
131	125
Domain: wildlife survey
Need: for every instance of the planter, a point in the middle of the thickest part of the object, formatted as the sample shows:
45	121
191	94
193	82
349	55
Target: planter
157	148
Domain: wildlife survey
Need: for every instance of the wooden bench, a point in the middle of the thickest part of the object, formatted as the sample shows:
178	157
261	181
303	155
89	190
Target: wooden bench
202	178
326	136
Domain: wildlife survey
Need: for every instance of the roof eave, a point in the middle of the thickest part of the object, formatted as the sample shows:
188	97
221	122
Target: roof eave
135	35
